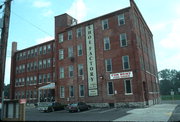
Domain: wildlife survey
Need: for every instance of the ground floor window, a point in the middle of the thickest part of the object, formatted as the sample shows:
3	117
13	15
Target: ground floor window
110	88
62	92
128	86
71	90
81	90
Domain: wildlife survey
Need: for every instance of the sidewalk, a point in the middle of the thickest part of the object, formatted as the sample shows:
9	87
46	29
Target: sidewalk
159	112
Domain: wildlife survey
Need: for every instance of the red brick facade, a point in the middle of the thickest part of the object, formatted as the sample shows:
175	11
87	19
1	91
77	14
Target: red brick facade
123	45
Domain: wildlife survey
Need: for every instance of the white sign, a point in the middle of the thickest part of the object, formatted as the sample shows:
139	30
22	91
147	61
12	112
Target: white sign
91	61
121	75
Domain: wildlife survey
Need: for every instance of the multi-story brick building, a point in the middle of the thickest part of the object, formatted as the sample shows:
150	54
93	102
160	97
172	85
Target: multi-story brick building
31	69
105	61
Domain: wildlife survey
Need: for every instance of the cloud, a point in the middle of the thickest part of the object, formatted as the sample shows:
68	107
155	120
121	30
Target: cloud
171	41
41	4
78	10
48	13
159	26
44	39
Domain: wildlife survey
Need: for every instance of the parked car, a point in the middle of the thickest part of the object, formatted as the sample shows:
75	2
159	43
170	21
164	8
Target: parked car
76	107
50	106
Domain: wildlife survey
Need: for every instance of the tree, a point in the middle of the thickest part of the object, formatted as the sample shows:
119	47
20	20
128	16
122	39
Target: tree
169	79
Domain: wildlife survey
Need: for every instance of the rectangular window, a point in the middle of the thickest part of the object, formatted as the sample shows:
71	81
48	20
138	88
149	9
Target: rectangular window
62	93
61	54
48	77
35	51
125	60
80	69
70	35
61	72
110	88
35	80
128	87
81	90
44	78
108	64
48	47
79	32
48	62
60	37
71	91
79	50
40	64
105	24
106	43
40	78
44	63
44	49
27	81
35	65
70	52
123	40
71	71
40	50
121	20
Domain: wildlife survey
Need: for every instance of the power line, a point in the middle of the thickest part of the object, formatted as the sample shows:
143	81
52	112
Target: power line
32	24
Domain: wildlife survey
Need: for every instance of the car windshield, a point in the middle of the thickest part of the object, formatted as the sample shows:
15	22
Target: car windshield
74	105
45	104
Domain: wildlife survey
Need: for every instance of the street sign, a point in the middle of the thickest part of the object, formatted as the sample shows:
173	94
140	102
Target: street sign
172	92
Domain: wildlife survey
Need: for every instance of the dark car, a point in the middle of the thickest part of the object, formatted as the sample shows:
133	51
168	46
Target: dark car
50	106
76	107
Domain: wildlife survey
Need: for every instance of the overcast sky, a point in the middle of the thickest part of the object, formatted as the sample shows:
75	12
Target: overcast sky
32	22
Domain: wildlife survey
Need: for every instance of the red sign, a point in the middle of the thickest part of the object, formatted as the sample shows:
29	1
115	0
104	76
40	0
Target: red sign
121	75
22	101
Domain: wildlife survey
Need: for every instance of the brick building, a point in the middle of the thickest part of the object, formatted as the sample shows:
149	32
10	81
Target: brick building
106	61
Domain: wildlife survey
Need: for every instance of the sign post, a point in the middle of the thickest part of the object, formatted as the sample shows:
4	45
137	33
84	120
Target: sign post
172	94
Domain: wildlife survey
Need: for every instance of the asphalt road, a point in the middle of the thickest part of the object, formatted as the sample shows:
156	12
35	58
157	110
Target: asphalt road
98	114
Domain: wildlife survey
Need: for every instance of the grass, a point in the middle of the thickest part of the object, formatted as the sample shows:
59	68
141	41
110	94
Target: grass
169	97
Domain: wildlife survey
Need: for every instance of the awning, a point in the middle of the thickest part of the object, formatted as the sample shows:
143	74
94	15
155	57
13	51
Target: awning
49	86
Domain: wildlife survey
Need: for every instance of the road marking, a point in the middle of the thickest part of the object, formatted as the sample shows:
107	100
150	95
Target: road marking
107	110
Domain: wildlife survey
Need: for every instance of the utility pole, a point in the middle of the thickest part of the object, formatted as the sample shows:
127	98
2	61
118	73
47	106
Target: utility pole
3	47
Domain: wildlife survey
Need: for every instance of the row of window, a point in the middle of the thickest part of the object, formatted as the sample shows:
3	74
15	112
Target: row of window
26	94
33	52
105	25
107	46
42	64
108	65
32	80
110	89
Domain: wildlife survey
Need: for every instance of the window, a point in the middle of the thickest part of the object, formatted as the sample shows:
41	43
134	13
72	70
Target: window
27	81
44	78
71	71
121	20
61	54
110	88
126	62
60	37
70	35
48	62
48	77
35	65
108	64
81	90
48	47
35	51
79	50
123	40
128	87
62	92
79	32
28	67
71	91
44	49
40	64
35	80
61	72
40	50
70	52
32	52
44	63
105	24
80	69
40	78
106	43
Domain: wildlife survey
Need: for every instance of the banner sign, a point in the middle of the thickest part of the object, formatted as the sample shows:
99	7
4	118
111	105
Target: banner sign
91	61
121	75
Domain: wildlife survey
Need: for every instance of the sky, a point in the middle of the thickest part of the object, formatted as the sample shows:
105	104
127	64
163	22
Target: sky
32	22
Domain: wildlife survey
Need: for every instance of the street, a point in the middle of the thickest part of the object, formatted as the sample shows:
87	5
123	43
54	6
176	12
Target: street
167	111
97	114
